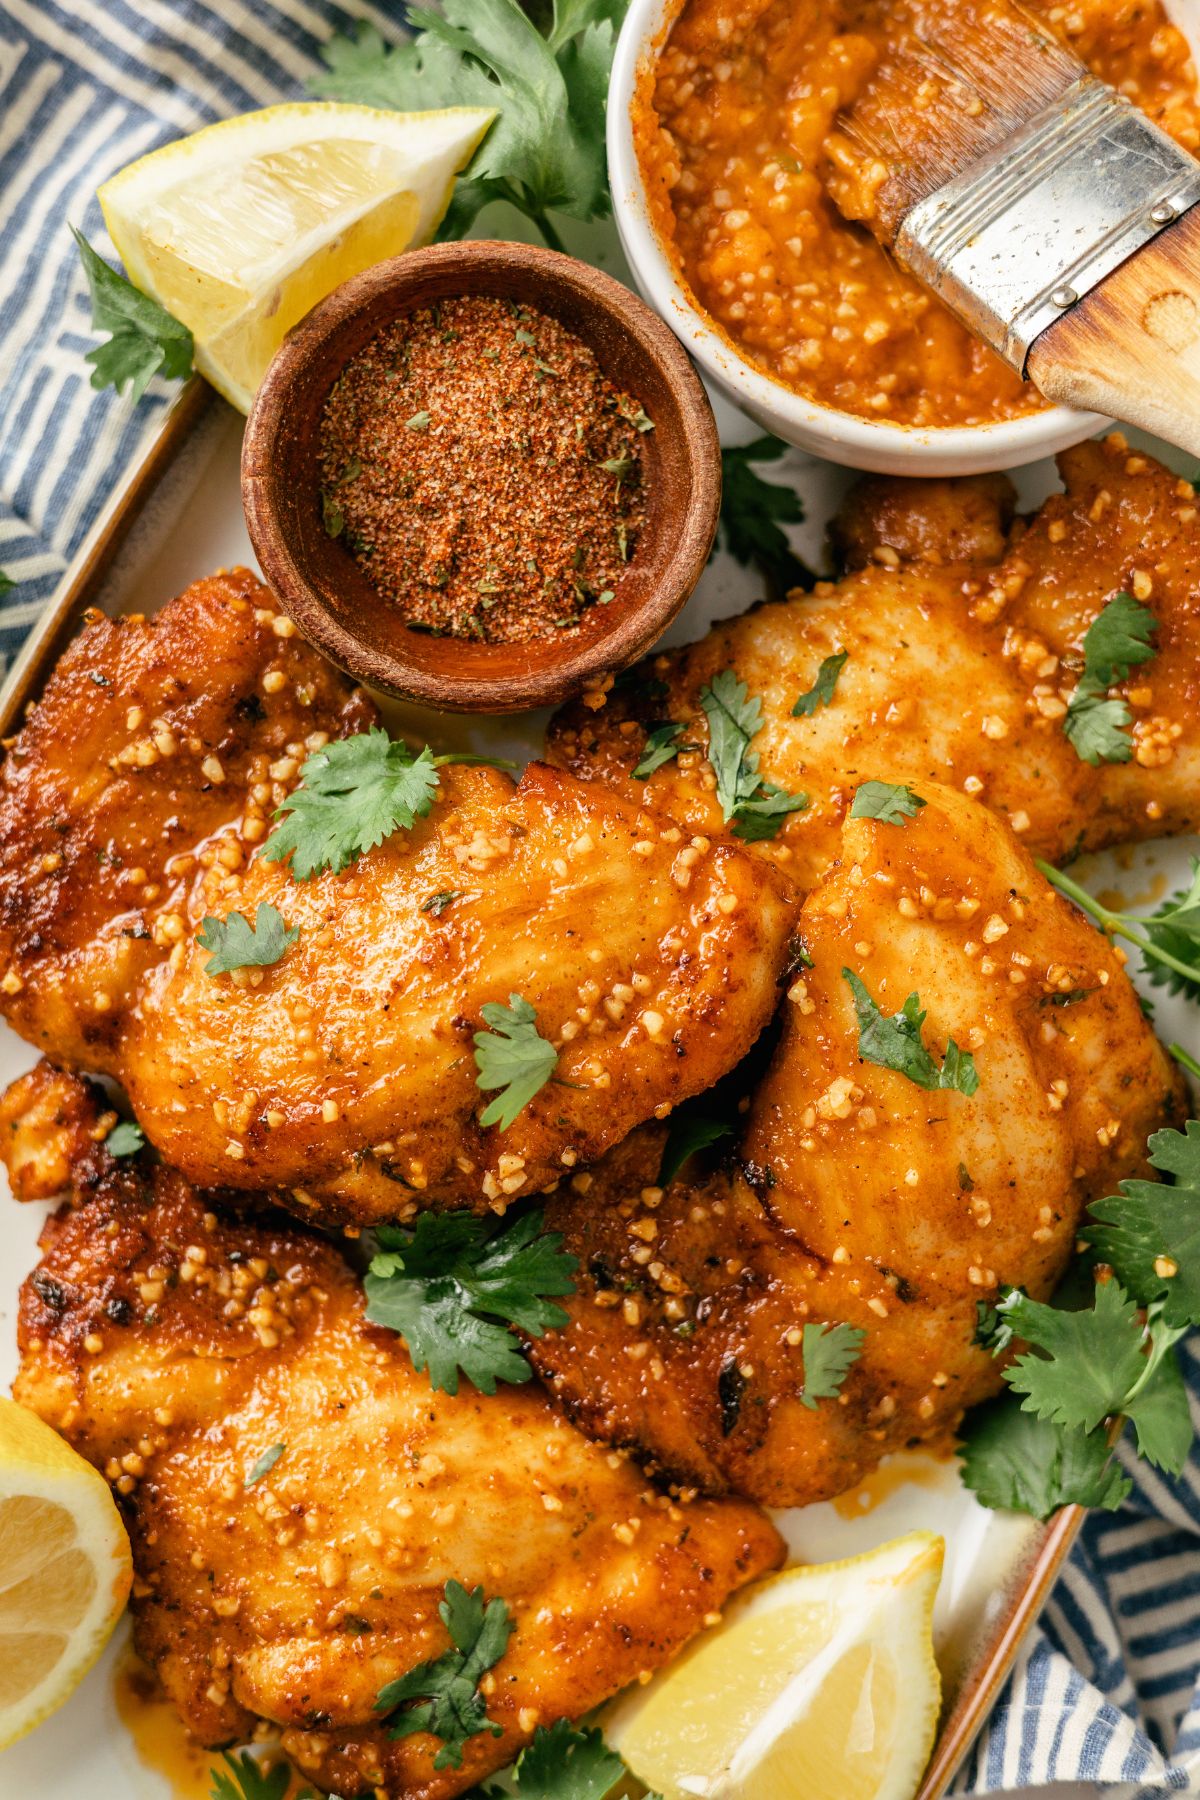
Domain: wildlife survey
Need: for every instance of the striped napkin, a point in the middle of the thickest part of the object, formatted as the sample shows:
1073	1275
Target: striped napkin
1104	1692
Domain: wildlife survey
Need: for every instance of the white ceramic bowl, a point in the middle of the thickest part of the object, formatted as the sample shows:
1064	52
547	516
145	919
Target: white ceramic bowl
839	436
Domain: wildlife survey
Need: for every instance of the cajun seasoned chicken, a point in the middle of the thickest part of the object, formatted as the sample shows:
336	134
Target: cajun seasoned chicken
860	1197
344	1075
298	1498
150	765
955	671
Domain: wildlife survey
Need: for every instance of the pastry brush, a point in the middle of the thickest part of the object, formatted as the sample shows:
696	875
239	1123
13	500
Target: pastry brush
1048	213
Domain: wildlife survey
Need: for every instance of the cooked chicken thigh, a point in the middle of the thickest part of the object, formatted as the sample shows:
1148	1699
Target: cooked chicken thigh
958	672
150	764
298	1498
860	1197
344	1074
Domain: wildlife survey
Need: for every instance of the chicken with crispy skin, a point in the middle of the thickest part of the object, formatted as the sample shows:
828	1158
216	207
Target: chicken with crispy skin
173	1349
343	1075
860	1197
958	672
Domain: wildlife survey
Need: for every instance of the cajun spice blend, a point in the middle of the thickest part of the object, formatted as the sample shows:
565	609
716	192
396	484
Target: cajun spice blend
483	471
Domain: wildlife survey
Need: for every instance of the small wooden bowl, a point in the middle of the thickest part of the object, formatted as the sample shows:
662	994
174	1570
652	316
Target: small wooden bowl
329	596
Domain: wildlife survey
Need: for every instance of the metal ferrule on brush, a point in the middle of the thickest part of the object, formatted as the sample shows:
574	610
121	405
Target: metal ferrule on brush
1011	243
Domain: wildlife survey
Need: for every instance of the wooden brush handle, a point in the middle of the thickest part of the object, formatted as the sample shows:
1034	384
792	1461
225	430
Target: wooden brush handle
1131	347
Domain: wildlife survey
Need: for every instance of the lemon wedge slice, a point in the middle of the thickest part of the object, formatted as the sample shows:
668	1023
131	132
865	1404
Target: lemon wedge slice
239	229
65	1569
819	1684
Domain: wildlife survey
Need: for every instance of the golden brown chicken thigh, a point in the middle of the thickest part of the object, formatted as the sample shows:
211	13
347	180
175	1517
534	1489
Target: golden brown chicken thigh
344	1075
174	1350
147	764
861	1197
957	672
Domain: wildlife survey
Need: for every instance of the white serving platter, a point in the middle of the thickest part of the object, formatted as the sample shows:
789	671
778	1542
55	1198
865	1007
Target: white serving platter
178	518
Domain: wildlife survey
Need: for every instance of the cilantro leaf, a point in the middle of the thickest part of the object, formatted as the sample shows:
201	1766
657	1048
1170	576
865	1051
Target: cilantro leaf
661	745
1116	641
761	816
444	1285
512	1056
248	1780
545	151
1161	1415
7	584
821	691
1092	1357
1149	1232
1174	927
896	1043
437	903
688	1134
753	510
144	339
236	944
1118	638
565	1764
265	1463
125	1139
452	1707
1012	1459
352	795
891	805
757	807
1169	939
829	1351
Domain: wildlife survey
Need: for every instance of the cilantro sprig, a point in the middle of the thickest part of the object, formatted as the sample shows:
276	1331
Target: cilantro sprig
245	1778
754	511
236	944
822	690
512	1056
756	806
451	1706
563	1762
352	795
144	339
1047	1442
896	1043
662	743
1169	938
1117	640
891	805
689	1134
544	153
454	1284
829	1352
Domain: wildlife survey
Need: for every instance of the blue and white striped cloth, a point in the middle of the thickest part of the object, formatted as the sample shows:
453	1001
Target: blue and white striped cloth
1105	1692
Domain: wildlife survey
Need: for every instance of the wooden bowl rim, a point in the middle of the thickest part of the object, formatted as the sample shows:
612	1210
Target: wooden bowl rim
694	446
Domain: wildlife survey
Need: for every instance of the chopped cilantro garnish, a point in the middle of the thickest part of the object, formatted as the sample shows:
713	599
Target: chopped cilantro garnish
244	1778
756	807
688	1134
753	512
896	1043
125	1139
661	745
1116	641
453	1284
451	1706
512	1056
236	944
266	1462
821	691
829	1352
891	805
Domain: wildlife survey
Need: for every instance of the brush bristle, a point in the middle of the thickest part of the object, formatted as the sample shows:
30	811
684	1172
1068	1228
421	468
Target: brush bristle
959	77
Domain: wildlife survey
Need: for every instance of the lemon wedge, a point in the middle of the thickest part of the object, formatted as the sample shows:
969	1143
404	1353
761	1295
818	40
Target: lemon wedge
819	1684
239	229
65	1569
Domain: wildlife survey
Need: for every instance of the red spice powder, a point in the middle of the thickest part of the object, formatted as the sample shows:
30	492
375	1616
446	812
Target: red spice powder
483	471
